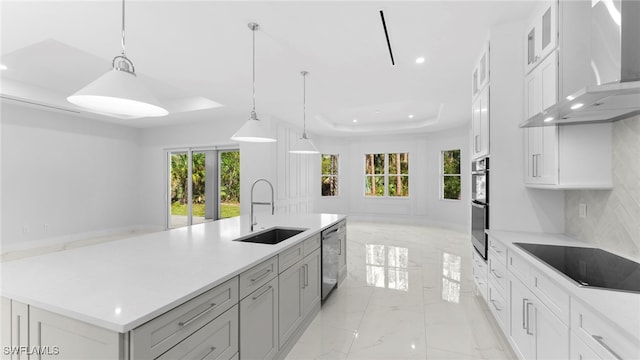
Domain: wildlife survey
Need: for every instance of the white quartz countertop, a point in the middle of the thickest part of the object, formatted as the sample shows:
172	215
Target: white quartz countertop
622	308
122	284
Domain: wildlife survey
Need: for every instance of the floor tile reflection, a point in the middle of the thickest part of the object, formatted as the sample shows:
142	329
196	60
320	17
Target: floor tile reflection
408	295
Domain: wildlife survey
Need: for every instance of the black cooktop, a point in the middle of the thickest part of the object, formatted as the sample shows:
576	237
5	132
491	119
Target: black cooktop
589	267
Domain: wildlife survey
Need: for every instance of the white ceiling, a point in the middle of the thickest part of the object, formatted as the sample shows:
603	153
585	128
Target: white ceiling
198	53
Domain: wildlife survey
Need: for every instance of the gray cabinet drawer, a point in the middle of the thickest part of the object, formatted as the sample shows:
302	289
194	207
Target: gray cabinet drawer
216	340
162	333
257	276
290	257
311	244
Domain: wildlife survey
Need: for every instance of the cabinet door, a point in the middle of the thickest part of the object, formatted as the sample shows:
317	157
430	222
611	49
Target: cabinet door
541	34
484	122
520	330
551	335
59	337
547	22
259	323
480	124
532	94
290	306
548	73
311	286
541	149
19	324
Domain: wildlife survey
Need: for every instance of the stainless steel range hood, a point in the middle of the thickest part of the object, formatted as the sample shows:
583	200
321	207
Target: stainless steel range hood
615	70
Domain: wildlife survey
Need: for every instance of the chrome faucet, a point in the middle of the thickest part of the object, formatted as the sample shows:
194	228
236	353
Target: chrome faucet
251	216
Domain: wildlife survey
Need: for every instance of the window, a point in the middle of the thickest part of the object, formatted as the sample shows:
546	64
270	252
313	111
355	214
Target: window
387	175
451	175
329	175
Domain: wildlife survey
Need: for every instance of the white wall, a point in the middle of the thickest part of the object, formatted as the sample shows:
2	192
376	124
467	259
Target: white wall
290	174
65	177
512	206
423	204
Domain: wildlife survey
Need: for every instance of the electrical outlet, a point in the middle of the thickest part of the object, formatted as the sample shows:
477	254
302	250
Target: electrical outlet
582	210
25	229
45	227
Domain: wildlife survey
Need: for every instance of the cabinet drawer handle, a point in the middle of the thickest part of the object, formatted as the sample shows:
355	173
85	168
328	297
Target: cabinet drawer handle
524	306
306	275
199	315
261	276
339	246
600	340
212	349
496	274
262	293
529	332
493	302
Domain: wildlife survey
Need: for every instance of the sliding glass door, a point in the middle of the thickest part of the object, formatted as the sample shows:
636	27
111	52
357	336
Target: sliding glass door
204	185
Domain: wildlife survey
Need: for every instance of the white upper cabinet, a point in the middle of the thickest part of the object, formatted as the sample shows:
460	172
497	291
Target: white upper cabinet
541	36
480	104
541	86
480	124
480	75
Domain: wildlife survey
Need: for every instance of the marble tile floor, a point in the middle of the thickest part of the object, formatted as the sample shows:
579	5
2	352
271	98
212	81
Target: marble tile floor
409	294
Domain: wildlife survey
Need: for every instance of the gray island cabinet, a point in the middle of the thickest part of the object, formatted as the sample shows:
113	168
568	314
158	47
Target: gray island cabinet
258	312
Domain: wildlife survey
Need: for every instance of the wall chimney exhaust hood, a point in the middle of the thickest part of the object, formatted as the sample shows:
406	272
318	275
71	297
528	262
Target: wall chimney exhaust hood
614	90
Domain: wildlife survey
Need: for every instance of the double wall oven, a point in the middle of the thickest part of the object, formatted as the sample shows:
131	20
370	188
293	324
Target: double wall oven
480	204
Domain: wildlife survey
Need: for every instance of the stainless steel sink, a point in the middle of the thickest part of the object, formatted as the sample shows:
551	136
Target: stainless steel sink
271	236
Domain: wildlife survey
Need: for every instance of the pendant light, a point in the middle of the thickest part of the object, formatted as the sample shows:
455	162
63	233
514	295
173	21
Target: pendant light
119	91
304	146
253	130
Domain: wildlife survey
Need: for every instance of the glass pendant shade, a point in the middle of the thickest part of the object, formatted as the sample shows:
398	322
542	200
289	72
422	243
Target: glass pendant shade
253	131
304	146
118	92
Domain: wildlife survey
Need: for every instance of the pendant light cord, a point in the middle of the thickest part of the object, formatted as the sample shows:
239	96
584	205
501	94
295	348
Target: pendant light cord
304	104
124	53
253	30
124	64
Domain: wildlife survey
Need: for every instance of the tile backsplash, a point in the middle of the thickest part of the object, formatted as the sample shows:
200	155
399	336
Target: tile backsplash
613	216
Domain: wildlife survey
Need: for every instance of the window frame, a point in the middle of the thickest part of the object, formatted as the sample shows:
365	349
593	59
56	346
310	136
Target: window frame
336	176
443	175
385	175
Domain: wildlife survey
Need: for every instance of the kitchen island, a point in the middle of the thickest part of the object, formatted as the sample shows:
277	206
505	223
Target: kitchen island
120	285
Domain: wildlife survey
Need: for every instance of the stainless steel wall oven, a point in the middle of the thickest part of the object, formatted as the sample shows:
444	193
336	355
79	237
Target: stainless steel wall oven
480	204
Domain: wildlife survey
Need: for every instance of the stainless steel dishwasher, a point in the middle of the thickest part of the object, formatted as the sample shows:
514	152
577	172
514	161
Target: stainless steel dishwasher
330	254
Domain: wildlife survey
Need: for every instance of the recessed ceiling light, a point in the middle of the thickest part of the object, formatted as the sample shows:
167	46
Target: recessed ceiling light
377	111
419	60
576	106
548	119
355	121
3	67
411	116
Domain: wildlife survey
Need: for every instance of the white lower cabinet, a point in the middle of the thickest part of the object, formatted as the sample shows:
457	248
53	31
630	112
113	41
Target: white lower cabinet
598	337
259	323
59	337
536	332
299	288
480	274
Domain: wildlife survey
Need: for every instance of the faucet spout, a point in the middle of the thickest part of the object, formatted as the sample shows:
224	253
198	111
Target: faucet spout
272	203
